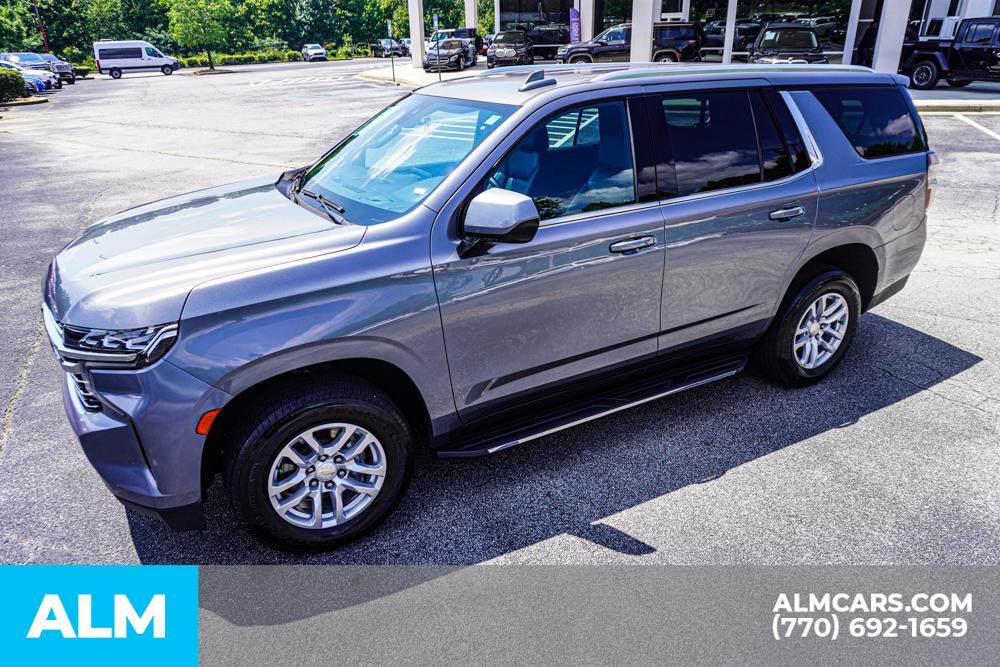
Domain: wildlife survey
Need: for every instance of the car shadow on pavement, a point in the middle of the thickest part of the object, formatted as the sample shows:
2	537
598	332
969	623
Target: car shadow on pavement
460	512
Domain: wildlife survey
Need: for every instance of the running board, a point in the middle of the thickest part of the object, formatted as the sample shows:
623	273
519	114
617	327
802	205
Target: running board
602	406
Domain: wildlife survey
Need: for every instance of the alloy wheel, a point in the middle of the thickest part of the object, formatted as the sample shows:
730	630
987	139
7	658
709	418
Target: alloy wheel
922	75
326	475
820	331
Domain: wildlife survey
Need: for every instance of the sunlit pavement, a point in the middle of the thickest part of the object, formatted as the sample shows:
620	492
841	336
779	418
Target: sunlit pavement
894	459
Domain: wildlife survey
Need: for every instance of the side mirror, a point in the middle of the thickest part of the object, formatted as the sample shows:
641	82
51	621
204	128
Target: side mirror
603	42
497	216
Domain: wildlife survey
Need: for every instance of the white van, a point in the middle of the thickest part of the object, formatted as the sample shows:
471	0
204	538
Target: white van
114	57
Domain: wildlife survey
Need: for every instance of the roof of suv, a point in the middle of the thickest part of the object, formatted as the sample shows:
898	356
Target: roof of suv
504	85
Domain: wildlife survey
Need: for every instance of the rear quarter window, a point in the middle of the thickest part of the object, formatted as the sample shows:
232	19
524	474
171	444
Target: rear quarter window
877	121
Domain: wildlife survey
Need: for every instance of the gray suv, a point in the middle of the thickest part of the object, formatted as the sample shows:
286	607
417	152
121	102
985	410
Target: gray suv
487	261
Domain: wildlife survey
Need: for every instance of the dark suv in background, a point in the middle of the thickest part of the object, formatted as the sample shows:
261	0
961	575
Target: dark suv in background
509	47
783	43
672	42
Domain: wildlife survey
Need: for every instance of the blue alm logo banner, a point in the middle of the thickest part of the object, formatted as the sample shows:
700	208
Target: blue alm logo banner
100	614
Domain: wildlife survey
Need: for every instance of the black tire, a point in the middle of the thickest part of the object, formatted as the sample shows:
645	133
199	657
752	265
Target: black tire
580	60
287	411
925	75
58	84
72	80
461	63
959	83
666	58
167	70
115	73
774	353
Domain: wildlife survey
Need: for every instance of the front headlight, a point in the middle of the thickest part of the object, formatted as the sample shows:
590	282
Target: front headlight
137	347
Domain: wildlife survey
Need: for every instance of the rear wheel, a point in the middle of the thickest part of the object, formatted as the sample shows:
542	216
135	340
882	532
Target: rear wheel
808	339
115	73
924	76
318	465
957	83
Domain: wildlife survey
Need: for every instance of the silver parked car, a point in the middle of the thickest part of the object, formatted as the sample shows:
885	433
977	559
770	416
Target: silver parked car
487	261
37	65
312	52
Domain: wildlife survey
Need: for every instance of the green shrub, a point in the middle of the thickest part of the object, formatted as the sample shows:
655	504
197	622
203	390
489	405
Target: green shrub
81	71
11	85
292	55
261	58
330	47
362	50
343	53
236	59
194	61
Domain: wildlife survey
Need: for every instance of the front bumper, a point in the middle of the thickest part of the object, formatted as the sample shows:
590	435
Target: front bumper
137	429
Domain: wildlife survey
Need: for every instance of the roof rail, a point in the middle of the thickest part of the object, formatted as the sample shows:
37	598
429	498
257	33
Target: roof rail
658	69
565	68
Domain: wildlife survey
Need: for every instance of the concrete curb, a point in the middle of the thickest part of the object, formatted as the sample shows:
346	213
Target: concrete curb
25	103
400	81
952	106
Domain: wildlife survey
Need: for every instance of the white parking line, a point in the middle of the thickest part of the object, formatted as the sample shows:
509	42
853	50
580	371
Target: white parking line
976	125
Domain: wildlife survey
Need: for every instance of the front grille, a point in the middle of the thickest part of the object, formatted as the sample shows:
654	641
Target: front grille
83	390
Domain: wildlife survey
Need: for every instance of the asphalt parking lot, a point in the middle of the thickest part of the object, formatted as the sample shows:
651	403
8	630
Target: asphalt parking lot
895	459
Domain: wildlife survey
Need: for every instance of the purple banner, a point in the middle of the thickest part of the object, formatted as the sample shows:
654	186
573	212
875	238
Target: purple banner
574	25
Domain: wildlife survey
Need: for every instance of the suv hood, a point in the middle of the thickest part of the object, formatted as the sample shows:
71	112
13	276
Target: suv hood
136	268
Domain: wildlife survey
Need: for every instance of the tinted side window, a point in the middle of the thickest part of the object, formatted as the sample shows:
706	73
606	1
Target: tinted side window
876	121
979	33
578	161
774	155
789	131
119	54
151	52
713	141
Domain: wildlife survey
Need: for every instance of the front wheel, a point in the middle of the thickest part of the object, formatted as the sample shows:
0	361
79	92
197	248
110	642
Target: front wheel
167	69
924	76
71	80
666	58
810	336
461	63
318	465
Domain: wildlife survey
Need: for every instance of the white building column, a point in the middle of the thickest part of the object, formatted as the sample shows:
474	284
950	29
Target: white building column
496	16
644	14
586	9
416	11
852	31
891	32
471	14
685	10
727	48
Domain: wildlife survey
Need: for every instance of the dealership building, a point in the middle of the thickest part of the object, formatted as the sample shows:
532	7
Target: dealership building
866	32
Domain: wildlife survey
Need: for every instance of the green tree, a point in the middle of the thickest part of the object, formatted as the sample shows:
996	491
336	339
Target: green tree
199	24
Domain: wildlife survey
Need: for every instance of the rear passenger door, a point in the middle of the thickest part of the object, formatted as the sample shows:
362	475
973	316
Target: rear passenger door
739	203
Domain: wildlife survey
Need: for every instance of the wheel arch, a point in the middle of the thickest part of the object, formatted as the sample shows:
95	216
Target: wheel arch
858	259
386	376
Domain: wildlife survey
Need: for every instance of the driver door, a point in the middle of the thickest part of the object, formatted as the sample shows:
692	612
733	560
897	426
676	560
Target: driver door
583	295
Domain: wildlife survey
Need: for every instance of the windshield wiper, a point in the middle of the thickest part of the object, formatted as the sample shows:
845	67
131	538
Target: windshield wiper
333	209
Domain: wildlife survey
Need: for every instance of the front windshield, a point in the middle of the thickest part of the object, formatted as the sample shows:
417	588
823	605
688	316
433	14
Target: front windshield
30	57
510	38
447	44
390	165
438	36
788	39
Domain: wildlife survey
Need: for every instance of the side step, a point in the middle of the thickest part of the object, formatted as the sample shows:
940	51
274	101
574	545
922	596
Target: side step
616	400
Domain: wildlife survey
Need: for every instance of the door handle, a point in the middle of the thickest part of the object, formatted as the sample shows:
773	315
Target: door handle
787	213
631	245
